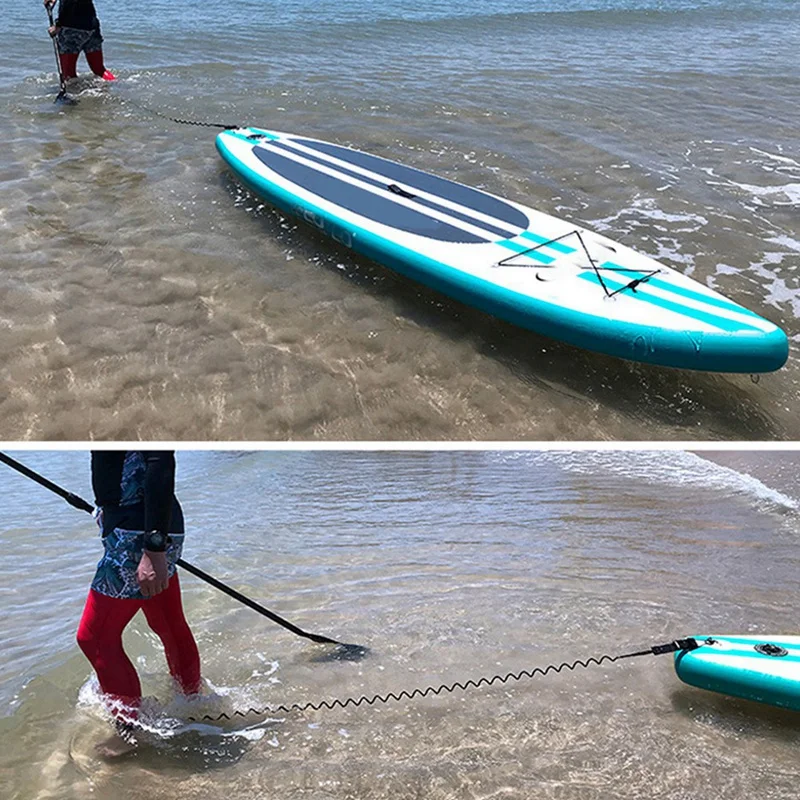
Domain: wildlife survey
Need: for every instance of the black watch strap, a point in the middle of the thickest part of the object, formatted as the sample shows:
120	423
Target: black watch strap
155	541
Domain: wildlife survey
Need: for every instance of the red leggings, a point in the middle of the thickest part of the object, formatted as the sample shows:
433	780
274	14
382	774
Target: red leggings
100	637
69	63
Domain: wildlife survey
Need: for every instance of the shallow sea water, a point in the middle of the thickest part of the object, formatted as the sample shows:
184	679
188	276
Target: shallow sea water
449	566
143	294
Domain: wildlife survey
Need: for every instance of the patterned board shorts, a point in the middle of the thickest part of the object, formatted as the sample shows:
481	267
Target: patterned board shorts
74	40
116	572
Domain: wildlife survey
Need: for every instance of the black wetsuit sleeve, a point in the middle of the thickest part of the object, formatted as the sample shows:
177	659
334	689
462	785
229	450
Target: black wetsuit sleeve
107	476
78	14
158	510
159	489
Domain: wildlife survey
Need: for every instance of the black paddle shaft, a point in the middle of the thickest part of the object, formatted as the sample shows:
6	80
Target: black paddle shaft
315	637
63	91
80	503
72	499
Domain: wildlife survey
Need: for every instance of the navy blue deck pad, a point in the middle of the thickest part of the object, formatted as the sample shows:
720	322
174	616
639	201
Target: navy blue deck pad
506	233
425	182
362	201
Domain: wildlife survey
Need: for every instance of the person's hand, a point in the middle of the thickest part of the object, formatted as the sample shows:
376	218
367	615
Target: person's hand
152	573
53	30
49	4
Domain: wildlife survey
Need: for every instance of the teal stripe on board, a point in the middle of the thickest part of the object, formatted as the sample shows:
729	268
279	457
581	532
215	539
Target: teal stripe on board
794	649
559	247
717	656
723	323
521	248
753	640
683	291
750	351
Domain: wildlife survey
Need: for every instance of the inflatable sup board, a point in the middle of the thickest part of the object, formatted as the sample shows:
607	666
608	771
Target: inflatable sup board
765	669
531	269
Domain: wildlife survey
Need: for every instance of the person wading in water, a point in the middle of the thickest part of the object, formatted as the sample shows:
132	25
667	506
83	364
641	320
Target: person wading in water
142	527
77	30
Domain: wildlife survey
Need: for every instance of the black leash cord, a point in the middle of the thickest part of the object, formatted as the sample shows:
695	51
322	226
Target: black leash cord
180	121
670	647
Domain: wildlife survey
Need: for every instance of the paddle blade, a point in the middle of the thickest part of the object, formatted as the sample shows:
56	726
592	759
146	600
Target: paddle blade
342	652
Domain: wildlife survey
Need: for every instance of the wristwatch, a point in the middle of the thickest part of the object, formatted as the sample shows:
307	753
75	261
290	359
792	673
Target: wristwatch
155	541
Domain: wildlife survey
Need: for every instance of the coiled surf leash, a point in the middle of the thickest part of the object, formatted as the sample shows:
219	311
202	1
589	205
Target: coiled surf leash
448	688
342	652
179	121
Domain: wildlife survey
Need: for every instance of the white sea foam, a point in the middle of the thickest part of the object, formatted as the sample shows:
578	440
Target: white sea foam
673	467
785	241
649	209
775	157
669	249
776	291
164	720
786	195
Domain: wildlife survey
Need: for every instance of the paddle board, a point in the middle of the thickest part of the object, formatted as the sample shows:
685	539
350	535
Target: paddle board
765	669
521	265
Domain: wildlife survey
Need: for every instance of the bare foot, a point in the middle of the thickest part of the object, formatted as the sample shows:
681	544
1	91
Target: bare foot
116	747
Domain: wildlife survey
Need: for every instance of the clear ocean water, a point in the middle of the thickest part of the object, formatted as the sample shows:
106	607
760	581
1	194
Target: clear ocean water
144	294
449	566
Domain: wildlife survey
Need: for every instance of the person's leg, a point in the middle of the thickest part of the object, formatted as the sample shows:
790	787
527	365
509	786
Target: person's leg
95	60
164	614
69	65
100	637
69	42
93	47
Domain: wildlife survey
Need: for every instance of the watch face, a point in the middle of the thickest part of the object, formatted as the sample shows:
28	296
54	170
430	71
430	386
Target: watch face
156	539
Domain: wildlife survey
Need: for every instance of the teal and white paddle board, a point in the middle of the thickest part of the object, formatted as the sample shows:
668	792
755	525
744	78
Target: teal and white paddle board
765	669
534	270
